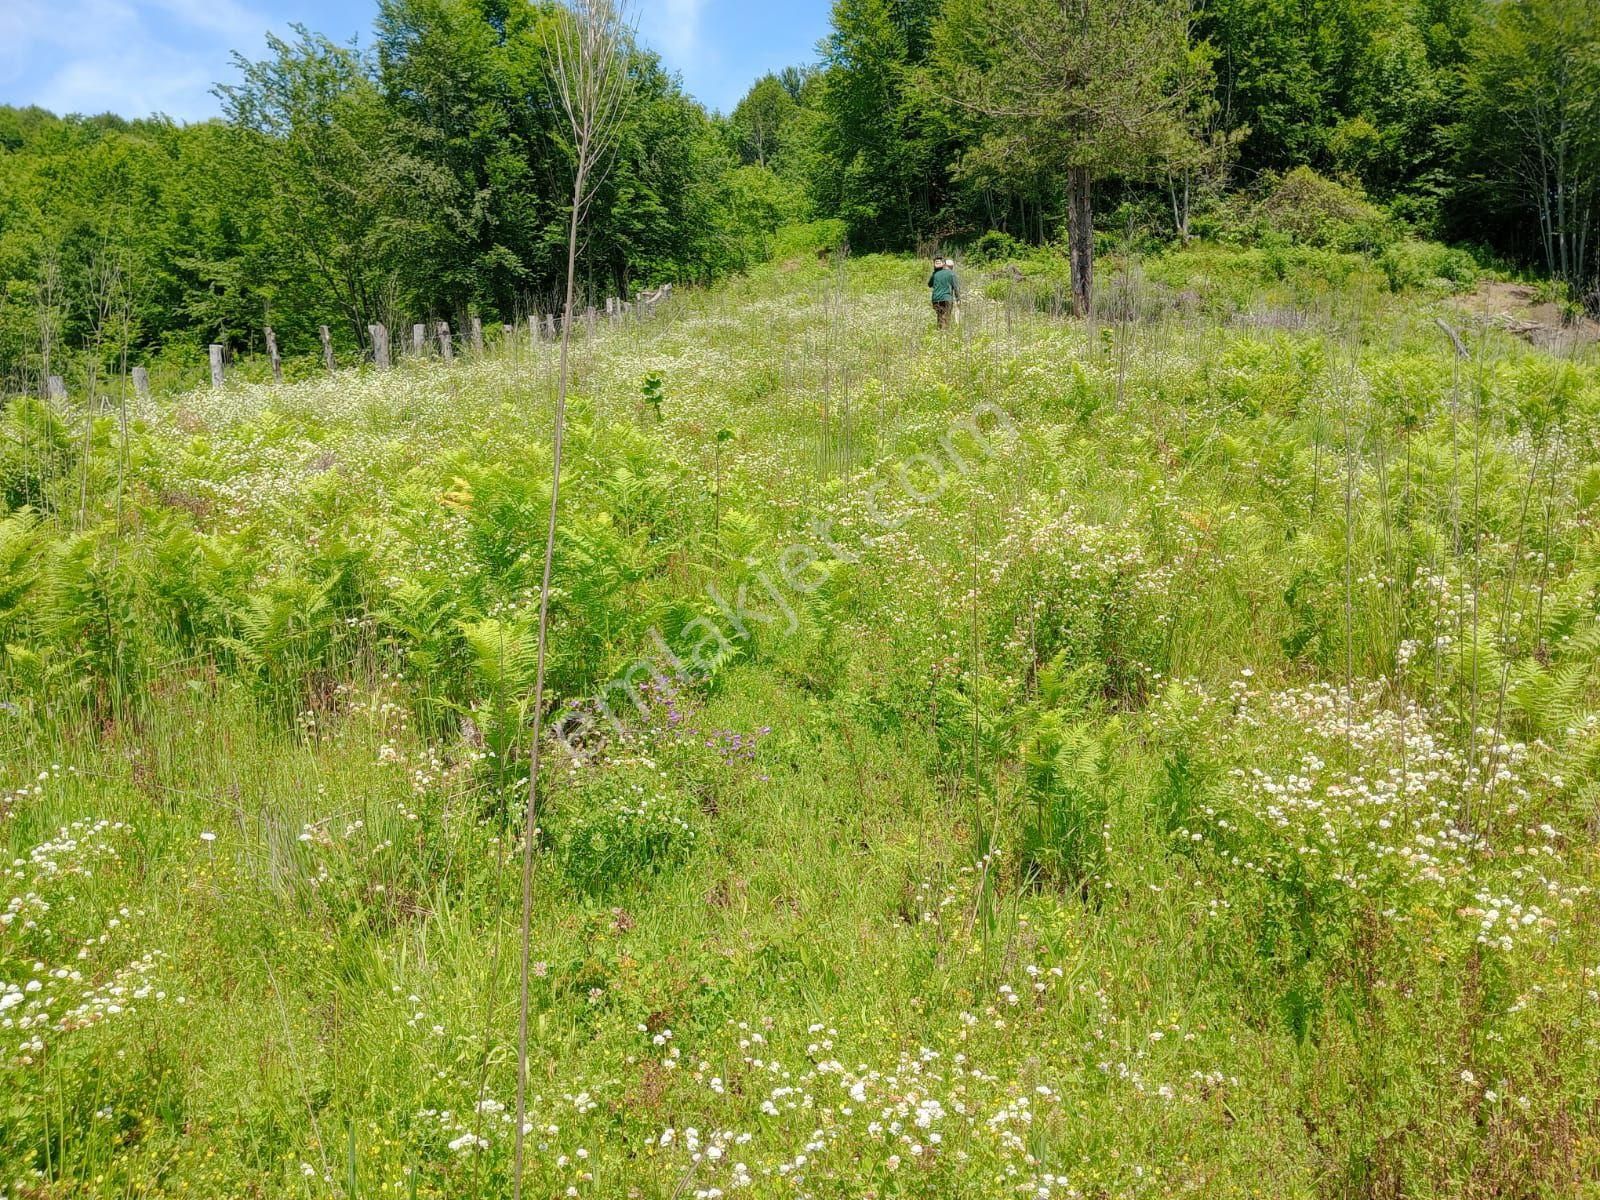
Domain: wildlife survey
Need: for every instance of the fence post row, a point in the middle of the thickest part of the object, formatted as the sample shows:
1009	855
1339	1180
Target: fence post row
382	356
272	353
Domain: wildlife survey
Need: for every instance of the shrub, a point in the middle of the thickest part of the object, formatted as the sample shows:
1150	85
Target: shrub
1413	264
811	237
993	247
621	821
1042	282
1319	211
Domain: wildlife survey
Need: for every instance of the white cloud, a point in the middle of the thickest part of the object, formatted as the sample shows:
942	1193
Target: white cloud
140	84
132	57
673	28
215	16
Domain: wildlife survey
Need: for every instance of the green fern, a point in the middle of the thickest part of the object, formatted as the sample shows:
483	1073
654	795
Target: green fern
1548	700
502	657
20	542
90	611
284	637
1065	794
37	454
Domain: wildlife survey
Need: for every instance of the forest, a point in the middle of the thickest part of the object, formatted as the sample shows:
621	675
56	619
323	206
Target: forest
422	175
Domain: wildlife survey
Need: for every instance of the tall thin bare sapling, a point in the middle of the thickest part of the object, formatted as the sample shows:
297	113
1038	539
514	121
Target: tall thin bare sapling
50	311
587	47
105	288
124	333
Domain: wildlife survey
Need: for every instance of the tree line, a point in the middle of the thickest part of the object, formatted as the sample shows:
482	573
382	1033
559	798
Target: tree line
937	120
428	174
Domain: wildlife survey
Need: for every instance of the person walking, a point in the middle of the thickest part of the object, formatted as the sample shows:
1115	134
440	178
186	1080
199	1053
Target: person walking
946	291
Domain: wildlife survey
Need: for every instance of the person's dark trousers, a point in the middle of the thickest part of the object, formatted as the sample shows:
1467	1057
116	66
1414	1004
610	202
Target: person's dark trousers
941	309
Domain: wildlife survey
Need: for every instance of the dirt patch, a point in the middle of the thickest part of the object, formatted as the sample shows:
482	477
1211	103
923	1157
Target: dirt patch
1516	307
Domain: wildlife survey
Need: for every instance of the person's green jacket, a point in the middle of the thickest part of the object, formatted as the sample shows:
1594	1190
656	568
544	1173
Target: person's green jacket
943	283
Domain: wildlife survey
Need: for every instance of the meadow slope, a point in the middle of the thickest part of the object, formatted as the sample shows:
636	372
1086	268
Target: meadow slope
1155	757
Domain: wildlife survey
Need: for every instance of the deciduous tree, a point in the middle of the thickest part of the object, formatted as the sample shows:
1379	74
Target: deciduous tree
1532	133
1077	89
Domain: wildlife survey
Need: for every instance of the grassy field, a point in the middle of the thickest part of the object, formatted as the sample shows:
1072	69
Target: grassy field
1142	758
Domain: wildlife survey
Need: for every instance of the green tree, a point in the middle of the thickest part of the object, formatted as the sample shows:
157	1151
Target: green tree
878	162
310	121
1068	89
468	87
797	82
1531	132
759	119
1361	88
1198	151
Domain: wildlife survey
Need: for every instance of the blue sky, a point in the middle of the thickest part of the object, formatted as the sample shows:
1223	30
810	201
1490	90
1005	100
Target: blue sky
136	57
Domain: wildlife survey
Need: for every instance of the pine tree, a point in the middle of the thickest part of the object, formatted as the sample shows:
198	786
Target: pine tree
1075	89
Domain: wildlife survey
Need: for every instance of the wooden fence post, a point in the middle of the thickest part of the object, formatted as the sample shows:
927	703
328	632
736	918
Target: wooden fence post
477	336
533	327
550	326
216	364
380	345
446	351
419	338
327	347
272	353
141	383
588	317
55	387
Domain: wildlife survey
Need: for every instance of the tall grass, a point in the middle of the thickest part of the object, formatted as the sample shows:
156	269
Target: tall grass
1188	788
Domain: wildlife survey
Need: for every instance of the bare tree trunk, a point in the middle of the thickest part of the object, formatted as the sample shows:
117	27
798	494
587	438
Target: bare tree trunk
273	356
1080	237
1566	272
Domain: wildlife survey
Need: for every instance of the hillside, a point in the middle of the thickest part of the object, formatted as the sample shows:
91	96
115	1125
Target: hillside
1148	758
